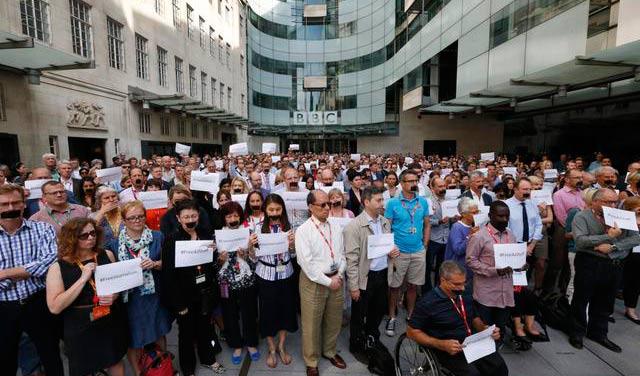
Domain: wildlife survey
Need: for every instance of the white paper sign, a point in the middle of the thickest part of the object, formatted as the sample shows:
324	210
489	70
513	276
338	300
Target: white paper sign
479	345
484	209
295	200
272	244
35	187
446	171
294	146
512	254
551	173
126	196
154	199
239	149
240	199
355	157
118	276
450	208
625	219
205	182
488	156
635	249
268	147
231	240
480	219
548	186
452	194
379	245
513	171
485	171
408	160
108	175
275	158
182	149
340	221
542	196
520	279
219	164
193	252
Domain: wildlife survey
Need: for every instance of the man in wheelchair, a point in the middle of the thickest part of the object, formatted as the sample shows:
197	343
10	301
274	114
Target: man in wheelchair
444	317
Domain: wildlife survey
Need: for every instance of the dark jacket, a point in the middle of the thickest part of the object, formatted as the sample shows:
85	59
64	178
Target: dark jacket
169	222
354	204
486	198
180	289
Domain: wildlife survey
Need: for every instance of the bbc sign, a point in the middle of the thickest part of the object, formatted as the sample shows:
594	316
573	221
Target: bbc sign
315	118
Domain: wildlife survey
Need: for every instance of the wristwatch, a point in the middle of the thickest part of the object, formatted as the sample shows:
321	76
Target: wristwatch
614	247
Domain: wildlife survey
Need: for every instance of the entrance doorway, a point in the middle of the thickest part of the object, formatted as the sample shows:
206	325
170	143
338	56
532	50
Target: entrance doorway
86	149
440	147
9	145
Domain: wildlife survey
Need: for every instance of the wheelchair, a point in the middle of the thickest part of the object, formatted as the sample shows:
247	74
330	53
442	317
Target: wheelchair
413	359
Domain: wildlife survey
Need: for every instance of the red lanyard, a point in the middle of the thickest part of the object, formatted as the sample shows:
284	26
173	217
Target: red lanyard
462	312
324	237
495	240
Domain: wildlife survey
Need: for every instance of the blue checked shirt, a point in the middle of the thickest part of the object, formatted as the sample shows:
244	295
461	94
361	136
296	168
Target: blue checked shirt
33	247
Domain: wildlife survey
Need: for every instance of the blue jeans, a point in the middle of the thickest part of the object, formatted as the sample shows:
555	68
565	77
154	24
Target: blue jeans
28	358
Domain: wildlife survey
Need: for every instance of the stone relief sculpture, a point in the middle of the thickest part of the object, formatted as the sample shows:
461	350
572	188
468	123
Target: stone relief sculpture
84	114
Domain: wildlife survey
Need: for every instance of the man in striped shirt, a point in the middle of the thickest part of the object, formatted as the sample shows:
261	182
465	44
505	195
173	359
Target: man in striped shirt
27	249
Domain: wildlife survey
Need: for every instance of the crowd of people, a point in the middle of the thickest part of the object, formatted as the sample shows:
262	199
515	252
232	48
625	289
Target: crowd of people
440	274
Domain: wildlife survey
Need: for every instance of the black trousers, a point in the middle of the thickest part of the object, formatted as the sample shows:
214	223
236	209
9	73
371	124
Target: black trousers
195	328
435	257
490	365
34	318
368	311
494	315
595	285
241	305
631	289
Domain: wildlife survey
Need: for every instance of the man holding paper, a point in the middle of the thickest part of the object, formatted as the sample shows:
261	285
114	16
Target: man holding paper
524	218
439	232
600	251
367	276
445	317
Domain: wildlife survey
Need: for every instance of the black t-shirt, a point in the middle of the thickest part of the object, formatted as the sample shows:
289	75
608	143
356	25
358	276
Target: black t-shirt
436	316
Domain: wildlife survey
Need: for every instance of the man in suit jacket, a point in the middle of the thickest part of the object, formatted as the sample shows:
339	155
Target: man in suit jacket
66	178
367	277
476	183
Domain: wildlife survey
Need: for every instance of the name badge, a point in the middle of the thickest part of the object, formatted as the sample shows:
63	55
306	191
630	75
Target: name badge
281	268
200	279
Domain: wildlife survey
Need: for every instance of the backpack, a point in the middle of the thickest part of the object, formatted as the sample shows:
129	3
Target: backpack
380	359
155	362
556	311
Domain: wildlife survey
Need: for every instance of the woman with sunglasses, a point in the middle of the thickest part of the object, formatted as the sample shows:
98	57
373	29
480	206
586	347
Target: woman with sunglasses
95	334
336	199
276	287
149	321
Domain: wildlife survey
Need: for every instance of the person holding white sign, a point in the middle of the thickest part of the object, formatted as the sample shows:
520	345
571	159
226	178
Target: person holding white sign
189	292
95	333
439	234
524	218
444	317
461	231
367	278
296	216
276	287
237	288
600	250
541	251
149	320
492	287
631	289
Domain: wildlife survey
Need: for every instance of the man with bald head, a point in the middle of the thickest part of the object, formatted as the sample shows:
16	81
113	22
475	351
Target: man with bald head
600	251
255	180
327	178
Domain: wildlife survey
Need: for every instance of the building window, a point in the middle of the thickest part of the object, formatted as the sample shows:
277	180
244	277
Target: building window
204	91
145	122
203	33
220	48
179	75
176	13
190	25
242	99
214	90
165	125
194	128
35	19
115	41
229	101
182	128
228	52
159	6
80	28
53	145
220	7
241	22
212	42
162	67
142	57
221	95
242	72
193	83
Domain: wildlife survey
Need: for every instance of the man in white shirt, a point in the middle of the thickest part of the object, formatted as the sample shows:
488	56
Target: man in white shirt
319	249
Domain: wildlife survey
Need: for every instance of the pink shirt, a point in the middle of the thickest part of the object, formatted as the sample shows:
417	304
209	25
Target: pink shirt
57	219
564	200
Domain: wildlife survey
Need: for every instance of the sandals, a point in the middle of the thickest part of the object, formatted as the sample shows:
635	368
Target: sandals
540	337
272	360
215	367
284	357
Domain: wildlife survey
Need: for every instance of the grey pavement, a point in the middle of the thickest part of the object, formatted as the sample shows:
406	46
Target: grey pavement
555	358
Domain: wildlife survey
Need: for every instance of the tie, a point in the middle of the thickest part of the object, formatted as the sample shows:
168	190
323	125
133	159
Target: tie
525	223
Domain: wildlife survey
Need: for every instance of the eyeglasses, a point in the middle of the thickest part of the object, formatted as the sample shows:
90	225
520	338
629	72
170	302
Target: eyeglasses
136	218
410	181
324	205
56	193
86	235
